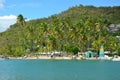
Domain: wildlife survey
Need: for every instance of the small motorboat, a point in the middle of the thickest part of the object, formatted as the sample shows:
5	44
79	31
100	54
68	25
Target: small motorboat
116	59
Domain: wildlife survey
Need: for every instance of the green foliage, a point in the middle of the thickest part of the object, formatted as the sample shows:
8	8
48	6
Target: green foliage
77	29
72	49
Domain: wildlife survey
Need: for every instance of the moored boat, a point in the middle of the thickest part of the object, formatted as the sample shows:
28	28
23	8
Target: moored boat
116	59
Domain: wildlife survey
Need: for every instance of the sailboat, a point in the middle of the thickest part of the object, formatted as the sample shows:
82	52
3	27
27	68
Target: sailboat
101	54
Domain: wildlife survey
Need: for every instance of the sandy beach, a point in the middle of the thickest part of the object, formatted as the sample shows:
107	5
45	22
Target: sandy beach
40	57
46	57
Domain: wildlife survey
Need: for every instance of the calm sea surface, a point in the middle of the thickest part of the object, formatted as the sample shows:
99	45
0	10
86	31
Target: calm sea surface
59	70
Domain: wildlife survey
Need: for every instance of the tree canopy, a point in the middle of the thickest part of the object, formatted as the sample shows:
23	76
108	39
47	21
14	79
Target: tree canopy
80	28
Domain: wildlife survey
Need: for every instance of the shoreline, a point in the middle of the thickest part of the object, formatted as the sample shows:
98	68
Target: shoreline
52	58
42	57
70	57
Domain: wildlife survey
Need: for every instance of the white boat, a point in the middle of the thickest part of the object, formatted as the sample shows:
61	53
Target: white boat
2	58
116	59
106	57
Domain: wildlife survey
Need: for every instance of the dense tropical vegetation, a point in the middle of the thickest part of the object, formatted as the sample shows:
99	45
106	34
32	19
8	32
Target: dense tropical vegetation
80	28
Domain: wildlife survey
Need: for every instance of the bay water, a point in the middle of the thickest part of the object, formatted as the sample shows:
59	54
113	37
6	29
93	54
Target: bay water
59	70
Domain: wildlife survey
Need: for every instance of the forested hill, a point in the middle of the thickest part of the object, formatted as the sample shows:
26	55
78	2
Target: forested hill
84	12
76	29
109	13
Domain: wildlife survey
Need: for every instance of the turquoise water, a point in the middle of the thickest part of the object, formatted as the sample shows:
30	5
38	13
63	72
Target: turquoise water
59	70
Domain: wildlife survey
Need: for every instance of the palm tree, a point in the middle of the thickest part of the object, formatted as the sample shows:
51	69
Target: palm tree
21	23
21	20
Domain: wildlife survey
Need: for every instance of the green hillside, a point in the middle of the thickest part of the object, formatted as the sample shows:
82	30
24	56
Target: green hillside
78	29
108	13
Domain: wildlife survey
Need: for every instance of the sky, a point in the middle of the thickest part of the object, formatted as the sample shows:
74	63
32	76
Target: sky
33	9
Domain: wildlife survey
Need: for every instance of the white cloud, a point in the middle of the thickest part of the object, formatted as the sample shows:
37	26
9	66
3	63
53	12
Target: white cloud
1	4
8	17
6	21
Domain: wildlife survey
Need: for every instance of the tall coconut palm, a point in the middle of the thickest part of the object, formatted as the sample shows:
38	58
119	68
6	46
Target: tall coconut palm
21	23
21	20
